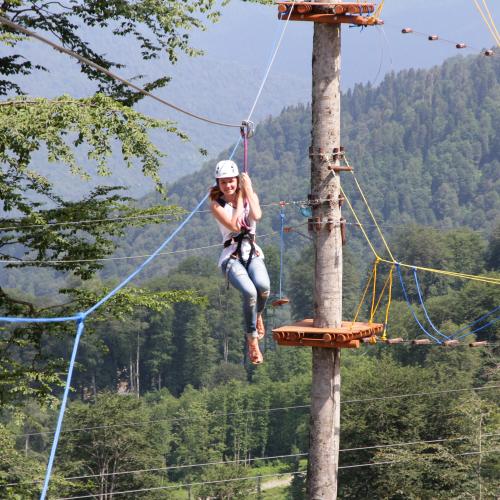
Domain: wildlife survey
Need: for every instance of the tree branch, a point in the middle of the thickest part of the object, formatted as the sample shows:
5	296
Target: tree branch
8	298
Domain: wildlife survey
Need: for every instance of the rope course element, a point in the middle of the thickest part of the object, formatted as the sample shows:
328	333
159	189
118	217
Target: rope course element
393	261
280	301
457	44
81	316
454	335
491	322
420	298
17	27
414	314
282	248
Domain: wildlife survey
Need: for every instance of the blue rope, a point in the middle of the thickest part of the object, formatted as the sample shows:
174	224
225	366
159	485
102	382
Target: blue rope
39	320
475	322
147	261
454	335
494	320
282	245
411	308
55	442
424	308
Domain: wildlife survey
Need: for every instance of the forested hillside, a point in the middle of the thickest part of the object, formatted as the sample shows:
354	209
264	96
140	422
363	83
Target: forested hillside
162	387
425	146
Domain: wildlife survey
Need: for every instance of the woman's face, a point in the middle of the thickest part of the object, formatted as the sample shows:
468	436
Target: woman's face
228	185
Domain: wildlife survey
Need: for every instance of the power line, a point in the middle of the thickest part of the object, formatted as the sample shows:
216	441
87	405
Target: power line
261	410
256	459
21	226
88	62
254	478
128	257
93	221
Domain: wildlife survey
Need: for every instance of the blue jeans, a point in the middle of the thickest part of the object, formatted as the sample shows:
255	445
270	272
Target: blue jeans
253	284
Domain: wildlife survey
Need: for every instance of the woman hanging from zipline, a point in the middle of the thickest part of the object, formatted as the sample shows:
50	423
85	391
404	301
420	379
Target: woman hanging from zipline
236	208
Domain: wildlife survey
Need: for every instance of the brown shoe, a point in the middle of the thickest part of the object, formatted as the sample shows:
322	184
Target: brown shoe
254	353
261	329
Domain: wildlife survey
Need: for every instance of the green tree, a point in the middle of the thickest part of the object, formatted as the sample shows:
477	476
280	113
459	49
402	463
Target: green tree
154	25
223	483
494	249
43	233
429	471
17	470
112	445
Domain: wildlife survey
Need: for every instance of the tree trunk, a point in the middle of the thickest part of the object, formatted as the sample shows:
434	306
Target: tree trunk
325	190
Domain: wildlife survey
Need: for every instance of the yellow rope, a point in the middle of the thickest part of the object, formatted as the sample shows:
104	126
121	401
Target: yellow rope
372	216
359	224
378	12
379	300
376	15
492	31
491	19
389	300
374	291
473	277
360	305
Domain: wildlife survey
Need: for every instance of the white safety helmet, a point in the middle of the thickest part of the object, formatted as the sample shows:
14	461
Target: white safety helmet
226	168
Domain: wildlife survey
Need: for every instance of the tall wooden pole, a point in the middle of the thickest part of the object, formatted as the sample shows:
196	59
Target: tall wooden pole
325	191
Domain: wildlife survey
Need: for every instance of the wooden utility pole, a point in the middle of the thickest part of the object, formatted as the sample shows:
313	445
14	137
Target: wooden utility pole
325	191
326	333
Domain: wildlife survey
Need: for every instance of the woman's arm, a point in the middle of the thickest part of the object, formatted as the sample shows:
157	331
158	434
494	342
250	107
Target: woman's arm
232	223
251	196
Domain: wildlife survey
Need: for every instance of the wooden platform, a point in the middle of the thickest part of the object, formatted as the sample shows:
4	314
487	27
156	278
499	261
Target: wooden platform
329	13
303	333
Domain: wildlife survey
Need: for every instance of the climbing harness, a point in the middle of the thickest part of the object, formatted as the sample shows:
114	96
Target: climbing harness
238	239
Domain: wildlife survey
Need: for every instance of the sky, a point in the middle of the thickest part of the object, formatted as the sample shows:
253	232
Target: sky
254	28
